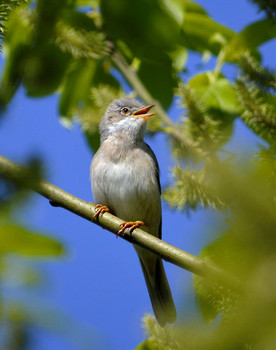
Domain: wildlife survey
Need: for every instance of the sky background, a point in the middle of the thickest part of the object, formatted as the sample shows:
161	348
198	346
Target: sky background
96	292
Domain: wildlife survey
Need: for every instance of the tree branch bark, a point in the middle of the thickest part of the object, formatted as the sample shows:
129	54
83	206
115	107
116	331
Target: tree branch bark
24	177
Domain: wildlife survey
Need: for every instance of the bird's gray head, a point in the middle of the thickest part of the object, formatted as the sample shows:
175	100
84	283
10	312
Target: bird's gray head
125	116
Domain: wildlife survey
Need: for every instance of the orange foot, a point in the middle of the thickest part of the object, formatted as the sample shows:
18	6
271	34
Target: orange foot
131	224
100	209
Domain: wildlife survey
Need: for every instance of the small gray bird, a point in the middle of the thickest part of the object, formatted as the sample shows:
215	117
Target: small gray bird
125	181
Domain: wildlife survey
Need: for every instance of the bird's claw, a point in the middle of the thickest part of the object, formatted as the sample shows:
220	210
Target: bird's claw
131	225
99	209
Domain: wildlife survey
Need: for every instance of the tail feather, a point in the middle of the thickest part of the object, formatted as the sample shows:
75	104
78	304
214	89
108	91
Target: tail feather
160	294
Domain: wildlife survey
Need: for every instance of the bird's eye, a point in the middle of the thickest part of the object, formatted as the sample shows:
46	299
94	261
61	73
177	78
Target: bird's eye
125	110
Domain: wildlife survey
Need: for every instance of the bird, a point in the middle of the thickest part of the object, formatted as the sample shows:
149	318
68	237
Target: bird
125	181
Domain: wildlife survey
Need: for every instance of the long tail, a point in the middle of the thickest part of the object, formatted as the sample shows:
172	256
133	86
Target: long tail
159	292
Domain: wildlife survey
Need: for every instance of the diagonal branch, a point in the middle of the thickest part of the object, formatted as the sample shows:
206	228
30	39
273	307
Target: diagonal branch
23	177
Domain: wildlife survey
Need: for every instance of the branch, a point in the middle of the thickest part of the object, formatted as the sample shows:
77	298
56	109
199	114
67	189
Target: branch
23	177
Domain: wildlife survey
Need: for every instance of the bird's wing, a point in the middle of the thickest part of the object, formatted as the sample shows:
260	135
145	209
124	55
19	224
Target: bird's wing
157	175
156	165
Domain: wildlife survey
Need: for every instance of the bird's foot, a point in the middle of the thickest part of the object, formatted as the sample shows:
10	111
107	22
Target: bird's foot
99	209
131	225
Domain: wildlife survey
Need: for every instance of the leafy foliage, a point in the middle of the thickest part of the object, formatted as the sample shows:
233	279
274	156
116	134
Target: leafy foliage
268	6
6	8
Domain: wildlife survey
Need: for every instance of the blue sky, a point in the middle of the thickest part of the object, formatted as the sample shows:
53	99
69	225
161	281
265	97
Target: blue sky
99	285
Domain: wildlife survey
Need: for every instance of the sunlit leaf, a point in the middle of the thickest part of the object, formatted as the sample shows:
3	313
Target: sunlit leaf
215	92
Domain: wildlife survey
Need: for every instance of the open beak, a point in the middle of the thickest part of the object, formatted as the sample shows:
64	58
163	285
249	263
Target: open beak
143	113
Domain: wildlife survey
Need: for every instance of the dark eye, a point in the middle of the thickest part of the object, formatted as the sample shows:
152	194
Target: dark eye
125	110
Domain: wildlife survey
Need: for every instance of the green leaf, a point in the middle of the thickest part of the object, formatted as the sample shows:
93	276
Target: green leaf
250	38
179	58
148	344
76	86
43	69
215	92
193	7
81	77
213	298
18	240
90	3
147	28
159	80
199	31
17	44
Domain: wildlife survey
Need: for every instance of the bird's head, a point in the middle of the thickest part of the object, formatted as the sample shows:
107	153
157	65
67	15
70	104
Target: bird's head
125	116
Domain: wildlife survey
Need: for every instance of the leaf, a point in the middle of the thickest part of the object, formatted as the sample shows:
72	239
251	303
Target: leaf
43	69
143	27
76	86
199	30
215	93
17	43
159	80
90	3
147	344
179	58
250	38
18	240
213	298
81	77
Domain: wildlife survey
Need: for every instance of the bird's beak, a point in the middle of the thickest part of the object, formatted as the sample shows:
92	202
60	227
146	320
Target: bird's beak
143	113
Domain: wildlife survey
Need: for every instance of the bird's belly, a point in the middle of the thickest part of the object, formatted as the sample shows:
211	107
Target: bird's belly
130	195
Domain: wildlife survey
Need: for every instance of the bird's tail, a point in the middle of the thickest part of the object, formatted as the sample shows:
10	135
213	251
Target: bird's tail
160	293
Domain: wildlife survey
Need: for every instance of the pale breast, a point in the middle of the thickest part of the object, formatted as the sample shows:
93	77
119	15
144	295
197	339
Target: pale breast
128	186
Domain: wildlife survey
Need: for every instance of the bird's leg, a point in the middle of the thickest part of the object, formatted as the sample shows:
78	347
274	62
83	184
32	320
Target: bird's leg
131	224
100	209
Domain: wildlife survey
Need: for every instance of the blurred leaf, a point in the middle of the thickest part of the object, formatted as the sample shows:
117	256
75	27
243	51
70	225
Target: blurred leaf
17	272
199	30
36	313
93	3
211	297
215	92
192	7
80	74
159	80
17	45
148	344
143	27
16	239
87	103
250	38
43	70
179	58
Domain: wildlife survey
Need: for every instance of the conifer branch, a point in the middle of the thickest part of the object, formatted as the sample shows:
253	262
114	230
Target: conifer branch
57	197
